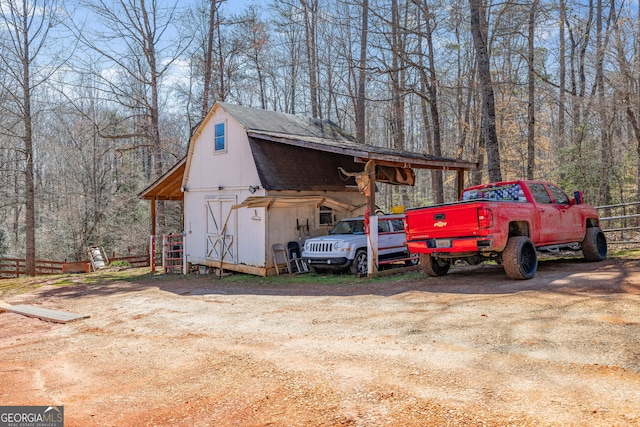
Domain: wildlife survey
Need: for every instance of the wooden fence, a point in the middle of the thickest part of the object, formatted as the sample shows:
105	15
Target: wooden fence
15	267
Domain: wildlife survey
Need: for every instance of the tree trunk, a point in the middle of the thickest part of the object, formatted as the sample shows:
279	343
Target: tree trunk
489	133
607	164
362	76
154	113
30	212
531	122
563	81
208	56
310	24
429	80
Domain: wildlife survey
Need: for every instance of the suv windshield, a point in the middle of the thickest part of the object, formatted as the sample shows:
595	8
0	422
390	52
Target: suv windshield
354	226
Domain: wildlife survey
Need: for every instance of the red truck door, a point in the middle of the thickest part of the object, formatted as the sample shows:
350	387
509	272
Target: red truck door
549	216
572	230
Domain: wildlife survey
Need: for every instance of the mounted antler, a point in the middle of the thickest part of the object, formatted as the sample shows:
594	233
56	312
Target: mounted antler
362	178
349	174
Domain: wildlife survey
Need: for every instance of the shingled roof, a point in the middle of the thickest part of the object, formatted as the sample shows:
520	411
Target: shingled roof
293	152
324	135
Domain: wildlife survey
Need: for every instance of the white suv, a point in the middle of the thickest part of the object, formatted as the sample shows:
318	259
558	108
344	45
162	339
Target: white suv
345	247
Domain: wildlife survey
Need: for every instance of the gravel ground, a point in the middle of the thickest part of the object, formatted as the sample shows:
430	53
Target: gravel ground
472	348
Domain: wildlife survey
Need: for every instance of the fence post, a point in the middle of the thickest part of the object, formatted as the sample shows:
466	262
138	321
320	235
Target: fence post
152	254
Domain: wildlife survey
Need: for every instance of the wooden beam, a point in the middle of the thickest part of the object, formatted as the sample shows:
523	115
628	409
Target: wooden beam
42	313
412	162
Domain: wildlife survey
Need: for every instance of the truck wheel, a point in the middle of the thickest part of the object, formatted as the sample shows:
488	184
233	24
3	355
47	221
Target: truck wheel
594	245
519	258
434	267
360	266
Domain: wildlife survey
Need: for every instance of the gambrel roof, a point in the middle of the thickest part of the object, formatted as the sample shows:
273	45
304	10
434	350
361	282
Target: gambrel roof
324	135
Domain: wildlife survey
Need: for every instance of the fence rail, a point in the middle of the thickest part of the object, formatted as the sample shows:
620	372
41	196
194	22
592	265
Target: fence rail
620	222
133	260
16	267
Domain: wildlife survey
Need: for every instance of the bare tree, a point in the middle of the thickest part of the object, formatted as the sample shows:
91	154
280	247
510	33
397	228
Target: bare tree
361	115
531	110
562	76
625	88
213	28
253	38
605	188
310	12
26	33
429	84
146	30
489	134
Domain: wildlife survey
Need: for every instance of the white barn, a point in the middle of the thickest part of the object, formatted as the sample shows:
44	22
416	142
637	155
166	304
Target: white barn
253	178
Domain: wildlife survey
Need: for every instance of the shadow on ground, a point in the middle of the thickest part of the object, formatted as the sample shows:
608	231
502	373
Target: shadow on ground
567	275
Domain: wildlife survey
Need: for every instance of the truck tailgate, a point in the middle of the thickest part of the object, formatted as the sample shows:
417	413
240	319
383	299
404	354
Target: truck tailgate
451	220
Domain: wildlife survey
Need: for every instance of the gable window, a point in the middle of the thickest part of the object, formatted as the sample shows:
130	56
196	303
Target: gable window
325	215
220	143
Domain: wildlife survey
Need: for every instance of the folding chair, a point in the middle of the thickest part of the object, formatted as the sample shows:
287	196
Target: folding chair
295	257
280	257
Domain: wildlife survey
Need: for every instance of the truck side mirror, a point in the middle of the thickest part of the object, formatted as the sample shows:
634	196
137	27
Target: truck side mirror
578	197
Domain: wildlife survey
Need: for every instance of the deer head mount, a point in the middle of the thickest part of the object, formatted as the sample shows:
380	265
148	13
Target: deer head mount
362	178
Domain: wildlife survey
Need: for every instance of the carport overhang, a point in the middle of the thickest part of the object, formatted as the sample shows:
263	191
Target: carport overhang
374	156
167	187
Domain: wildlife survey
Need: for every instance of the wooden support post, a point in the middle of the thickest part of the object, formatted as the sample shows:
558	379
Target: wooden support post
153	216
372	238
152	253
152	243
460	182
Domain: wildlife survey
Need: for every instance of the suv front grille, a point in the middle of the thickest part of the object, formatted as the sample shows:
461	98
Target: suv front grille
321	247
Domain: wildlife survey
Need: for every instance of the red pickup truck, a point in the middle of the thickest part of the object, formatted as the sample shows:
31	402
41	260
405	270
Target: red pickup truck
505	221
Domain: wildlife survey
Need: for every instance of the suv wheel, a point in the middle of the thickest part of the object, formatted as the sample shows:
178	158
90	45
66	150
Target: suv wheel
360	264
415	260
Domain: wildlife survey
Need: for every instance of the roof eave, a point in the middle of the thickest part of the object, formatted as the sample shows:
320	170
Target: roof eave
368	152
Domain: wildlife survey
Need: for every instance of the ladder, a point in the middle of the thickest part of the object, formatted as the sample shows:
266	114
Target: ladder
97	257
172	253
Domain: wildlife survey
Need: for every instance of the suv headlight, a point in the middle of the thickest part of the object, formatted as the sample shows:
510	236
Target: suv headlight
337	245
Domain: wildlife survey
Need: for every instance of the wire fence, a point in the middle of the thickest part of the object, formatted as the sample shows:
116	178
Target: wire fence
621	223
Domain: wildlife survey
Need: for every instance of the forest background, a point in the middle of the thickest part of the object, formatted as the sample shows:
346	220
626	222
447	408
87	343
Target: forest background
98	98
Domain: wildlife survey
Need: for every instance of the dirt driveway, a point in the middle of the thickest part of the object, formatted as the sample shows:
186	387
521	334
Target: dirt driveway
470	349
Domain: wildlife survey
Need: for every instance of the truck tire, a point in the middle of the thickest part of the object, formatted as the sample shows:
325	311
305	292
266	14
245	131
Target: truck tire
594	245
519	258
360	265
434	267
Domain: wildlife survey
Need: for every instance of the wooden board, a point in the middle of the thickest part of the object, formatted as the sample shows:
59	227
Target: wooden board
42	313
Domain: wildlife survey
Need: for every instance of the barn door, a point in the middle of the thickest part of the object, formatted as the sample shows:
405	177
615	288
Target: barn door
221	227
